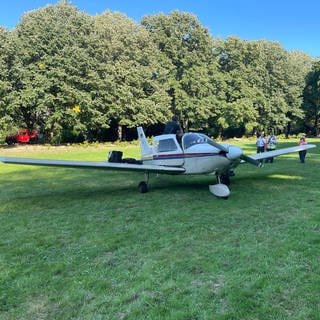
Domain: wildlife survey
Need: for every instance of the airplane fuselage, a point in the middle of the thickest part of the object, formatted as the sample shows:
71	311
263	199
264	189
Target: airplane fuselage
193	154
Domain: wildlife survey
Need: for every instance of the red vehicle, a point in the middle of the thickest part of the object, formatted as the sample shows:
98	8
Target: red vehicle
23	136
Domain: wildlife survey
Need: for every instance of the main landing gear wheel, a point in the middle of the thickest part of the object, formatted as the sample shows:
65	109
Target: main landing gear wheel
143	187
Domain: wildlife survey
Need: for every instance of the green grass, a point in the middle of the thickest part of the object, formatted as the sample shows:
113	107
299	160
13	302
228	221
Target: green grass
84	244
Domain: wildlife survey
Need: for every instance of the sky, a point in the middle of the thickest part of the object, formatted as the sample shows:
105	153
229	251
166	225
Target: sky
293	23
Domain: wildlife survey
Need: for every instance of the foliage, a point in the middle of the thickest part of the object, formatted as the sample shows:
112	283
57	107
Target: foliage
312	97
129	58
6	57
74	76
264	83
54	71
194	82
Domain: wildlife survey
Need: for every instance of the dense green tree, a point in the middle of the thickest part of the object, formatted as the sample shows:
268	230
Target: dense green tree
264	83
6	61
272	114
299	65
311	96
242	92
136	71
54	71
62	70
193	79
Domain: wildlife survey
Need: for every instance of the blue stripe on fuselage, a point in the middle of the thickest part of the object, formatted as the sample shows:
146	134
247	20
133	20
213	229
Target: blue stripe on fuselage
184	155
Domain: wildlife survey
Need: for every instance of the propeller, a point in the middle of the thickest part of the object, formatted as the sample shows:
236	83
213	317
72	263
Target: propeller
234	152
218	146
231	152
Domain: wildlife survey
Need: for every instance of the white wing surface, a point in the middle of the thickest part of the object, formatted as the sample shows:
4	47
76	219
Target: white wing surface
104	165
279	152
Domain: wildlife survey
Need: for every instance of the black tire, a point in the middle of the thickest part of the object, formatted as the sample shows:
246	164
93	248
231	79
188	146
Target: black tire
143	187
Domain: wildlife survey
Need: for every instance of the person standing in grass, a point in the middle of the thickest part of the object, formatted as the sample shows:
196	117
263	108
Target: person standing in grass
271	145
303	153
261	143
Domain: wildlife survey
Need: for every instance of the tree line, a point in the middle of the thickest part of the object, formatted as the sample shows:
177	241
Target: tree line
75	76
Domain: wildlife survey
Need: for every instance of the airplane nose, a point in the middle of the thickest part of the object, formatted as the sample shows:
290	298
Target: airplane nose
234	153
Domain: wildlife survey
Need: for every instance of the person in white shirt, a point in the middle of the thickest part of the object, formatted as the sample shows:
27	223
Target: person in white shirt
261	143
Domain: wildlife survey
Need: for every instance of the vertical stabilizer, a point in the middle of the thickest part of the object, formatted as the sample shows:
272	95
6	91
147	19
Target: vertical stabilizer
144	145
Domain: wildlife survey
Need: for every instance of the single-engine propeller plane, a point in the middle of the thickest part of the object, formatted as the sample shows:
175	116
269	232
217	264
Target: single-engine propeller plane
196	153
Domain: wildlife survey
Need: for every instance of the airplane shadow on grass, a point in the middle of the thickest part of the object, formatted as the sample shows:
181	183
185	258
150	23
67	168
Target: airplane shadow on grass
71	183
43	183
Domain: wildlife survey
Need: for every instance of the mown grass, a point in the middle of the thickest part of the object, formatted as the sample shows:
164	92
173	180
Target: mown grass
84	244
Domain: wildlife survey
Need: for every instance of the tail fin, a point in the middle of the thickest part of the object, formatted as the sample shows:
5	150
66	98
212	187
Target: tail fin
144	145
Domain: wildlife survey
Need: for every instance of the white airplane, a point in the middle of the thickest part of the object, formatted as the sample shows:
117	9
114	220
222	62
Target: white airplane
195	154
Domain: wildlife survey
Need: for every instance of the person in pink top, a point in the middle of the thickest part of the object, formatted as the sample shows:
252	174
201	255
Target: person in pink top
302	154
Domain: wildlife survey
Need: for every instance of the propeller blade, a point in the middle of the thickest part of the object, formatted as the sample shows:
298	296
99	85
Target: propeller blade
231	152
218	146
251	160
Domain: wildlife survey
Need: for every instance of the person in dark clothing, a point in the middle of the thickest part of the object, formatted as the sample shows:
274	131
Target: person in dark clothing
303	153
173	127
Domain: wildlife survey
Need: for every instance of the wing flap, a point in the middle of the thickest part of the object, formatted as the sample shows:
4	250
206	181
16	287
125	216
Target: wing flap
104	165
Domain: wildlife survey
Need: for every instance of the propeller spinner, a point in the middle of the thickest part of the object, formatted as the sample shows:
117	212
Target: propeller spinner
234	152
231	152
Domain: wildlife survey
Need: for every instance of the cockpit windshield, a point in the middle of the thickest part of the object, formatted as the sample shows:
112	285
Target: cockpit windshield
191	139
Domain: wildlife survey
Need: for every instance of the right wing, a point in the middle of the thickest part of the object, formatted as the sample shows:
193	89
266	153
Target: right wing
105	165
269	154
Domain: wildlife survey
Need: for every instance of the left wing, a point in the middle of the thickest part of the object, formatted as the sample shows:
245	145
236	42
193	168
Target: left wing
279	152
94	165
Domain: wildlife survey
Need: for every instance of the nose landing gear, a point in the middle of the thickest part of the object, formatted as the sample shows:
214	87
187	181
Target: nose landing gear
221	189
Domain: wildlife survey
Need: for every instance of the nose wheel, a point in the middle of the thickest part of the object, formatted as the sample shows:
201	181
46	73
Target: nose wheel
220	189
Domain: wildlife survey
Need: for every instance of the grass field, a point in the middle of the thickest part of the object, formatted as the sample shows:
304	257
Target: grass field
84	244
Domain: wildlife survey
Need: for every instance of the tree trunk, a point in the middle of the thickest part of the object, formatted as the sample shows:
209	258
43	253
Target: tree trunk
185	125
119	132
288	129
316	125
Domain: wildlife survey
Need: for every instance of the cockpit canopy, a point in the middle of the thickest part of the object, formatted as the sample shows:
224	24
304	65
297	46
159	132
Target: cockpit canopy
191	139
170	143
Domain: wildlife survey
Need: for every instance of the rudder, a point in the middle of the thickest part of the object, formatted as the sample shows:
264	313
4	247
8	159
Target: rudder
144	145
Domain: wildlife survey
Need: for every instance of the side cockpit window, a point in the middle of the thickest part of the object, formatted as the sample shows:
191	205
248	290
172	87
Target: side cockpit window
166	145
192	139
